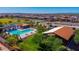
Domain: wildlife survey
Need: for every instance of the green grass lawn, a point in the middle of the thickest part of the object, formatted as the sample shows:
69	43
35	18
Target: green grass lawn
76	38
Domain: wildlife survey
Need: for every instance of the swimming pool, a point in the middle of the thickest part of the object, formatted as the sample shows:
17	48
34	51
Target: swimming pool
20	32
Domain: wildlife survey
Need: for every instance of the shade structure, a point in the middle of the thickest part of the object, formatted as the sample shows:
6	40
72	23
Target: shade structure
23	24
53	30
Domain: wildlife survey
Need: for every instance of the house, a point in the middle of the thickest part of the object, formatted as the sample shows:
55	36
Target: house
66	33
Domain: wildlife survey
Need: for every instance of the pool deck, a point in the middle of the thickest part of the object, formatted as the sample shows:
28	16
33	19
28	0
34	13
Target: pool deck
28	34
23	35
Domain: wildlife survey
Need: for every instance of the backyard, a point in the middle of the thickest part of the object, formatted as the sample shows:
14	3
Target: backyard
37	41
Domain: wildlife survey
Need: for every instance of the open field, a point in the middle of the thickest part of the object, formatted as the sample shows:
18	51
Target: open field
6	20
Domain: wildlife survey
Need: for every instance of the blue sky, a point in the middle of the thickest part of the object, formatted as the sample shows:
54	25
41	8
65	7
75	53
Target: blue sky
39	10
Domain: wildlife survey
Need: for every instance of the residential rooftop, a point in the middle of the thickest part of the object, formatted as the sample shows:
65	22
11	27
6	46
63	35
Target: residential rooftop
3	47
64	32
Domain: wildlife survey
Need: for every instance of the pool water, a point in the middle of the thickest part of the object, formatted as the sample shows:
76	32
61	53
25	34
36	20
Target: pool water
19	32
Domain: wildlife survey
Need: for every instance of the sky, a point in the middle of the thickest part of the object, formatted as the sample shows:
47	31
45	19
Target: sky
51	10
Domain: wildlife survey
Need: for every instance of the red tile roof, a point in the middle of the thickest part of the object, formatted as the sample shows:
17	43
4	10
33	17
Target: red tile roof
65	32
3	47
